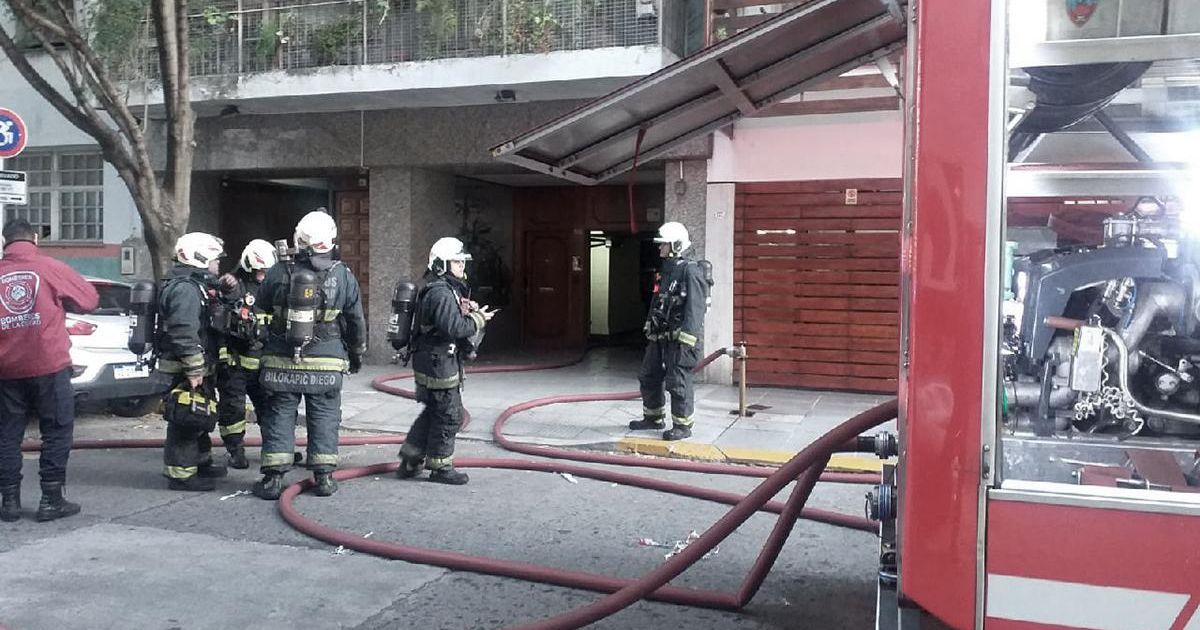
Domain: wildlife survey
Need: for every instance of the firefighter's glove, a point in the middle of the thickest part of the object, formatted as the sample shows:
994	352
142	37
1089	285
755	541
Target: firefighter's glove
487	313
355	363
228	284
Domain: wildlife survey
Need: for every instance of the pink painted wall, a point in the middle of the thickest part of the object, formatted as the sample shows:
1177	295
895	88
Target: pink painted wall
790	148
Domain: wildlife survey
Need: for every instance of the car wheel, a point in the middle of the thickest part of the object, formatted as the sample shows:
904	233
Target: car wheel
134	407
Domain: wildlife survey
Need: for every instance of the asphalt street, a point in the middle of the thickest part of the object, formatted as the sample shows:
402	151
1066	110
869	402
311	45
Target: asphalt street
140	556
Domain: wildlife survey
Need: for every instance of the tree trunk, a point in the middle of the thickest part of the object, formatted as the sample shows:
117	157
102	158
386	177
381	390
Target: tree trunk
160	235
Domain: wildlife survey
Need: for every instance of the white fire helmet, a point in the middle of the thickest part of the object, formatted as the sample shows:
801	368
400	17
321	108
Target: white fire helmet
676	235
443	251
197	249
316	232
258	255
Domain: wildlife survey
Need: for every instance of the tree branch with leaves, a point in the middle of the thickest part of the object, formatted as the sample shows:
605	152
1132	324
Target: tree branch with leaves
83	87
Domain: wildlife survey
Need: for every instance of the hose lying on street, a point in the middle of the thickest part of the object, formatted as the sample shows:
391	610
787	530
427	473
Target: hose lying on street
806	468
808	463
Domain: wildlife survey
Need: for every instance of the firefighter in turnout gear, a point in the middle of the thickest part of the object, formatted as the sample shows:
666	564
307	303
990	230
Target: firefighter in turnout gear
187	347
675	333
237	372
448	326
317	333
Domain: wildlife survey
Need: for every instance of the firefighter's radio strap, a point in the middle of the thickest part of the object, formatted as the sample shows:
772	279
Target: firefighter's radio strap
192	409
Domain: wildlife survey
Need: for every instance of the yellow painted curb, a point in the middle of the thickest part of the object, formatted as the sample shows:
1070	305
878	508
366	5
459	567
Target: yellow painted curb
707	452
757	455
856	463
682	450
840	461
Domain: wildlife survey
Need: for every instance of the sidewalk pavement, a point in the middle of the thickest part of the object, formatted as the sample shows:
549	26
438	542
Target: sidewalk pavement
784	421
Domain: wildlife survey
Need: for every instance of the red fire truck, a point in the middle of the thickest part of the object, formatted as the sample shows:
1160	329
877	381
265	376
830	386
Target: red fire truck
1048	473
1049	416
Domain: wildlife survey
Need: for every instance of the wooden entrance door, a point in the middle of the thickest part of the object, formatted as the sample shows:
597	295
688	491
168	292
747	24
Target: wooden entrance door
547	268
817	283
354	236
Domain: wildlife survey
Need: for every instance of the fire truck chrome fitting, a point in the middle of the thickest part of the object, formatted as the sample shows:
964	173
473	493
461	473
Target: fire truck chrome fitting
881	503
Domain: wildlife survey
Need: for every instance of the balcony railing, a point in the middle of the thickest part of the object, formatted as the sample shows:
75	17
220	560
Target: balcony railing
243	36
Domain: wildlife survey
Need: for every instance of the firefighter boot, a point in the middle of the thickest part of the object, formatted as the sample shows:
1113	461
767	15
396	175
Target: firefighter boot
323	483
677	432
211	470
409	466
448	475
195	483
10	509
53	505
269	487
237	457
647	423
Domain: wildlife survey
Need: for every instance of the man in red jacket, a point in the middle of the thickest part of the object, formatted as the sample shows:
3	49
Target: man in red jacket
35	366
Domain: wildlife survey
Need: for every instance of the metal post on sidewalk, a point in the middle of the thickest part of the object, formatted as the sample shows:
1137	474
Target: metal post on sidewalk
739	354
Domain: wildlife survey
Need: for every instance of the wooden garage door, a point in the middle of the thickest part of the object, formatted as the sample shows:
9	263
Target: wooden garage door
817	283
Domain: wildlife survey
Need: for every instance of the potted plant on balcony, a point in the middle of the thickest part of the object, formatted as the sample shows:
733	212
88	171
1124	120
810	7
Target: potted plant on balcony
338	42
439	27
214	42
275	32
532	27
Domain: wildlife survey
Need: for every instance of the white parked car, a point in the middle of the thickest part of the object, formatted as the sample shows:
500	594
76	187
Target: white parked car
103	368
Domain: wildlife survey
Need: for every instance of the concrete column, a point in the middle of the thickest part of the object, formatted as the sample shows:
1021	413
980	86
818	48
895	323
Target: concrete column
391	250
689	199
410	209
433	213
718	241
684	199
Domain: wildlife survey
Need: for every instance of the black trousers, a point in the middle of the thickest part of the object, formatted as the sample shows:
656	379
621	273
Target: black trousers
235	382
432	434
52	399
323	415
667	368
187	448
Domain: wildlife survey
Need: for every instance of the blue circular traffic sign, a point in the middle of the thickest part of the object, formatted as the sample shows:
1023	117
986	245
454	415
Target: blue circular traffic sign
13	134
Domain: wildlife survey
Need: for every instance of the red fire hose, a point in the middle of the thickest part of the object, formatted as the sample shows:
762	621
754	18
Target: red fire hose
806	468
381	384
808	463
805	463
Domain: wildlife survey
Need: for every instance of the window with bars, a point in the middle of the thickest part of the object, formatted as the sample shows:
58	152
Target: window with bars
66	194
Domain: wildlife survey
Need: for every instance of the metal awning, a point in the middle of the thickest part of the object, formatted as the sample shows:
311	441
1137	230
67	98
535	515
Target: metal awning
752	70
